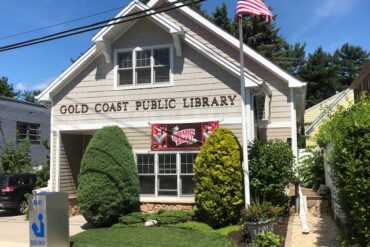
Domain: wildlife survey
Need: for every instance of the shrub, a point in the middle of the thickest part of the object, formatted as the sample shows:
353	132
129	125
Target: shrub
219	193
260	212
108	181
42	177
348	132
267	239
16	158
311	171
193	225
172	217
133	219
271	170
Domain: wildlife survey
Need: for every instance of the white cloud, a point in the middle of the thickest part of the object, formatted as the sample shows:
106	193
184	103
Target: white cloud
330	8
22	86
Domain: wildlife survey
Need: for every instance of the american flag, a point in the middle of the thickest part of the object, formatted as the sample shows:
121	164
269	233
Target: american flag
253	7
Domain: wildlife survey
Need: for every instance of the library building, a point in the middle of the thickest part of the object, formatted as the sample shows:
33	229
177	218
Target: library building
168	79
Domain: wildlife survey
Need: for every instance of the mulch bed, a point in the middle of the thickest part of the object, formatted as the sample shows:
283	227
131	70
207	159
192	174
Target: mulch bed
241	239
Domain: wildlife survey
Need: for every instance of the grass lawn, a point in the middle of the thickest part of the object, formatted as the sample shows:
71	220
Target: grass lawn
148	236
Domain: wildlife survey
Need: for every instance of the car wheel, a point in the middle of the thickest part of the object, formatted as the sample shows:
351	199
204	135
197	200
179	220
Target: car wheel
22	206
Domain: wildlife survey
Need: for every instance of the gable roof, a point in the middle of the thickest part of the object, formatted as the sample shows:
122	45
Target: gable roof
293	82
324	108
107	35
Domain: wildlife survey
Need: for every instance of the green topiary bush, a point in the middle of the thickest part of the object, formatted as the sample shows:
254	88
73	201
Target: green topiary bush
108	184
172	217
348	132
219	190
271	167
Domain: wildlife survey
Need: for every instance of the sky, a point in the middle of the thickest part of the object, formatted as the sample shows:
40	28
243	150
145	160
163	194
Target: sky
326	23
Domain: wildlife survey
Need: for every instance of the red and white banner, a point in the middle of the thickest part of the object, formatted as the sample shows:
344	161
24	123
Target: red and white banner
186	136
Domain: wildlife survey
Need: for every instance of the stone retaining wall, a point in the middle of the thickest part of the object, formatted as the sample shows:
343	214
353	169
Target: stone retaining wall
146	207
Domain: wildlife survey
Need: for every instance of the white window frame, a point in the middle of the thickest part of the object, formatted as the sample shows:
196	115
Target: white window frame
116	85
267	106
156	172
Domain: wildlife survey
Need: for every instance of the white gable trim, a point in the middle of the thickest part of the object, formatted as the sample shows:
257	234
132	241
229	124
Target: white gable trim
76	66
99	48
293	82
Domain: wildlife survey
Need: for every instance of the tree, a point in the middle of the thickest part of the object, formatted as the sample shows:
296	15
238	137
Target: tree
16	158
108	184
220	18
319	72
271	170
219	190
30	96
349	61
7	89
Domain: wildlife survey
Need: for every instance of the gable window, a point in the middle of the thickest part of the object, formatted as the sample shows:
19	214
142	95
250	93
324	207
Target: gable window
166	174
262	107
28	131
143	66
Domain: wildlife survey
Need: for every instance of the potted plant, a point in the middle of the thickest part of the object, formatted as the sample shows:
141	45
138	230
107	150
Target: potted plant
259	217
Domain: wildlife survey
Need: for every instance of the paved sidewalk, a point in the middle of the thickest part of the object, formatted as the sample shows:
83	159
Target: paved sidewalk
14	230
323	231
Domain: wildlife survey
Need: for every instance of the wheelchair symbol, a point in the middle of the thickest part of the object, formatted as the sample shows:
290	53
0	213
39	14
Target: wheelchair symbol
39	232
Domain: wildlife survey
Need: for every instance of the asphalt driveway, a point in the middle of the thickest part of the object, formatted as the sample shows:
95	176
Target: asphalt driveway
14	231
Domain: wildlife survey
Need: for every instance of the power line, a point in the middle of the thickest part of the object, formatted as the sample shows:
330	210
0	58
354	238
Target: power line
61	23
97	25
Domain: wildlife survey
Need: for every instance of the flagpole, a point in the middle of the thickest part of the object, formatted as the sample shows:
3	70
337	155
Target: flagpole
244	121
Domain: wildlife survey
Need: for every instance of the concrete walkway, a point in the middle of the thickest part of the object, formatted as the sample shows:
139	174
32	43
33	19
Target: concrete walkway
323	231
14	229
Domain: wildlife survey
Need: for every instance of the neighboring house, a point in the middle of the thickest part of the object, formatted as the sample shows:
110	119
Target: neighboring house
168	81
24	120
362	82
316	115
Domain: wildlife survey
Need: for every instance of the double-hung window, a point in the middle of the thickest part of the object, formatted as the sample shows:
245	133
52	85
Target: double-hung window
28	131
262	107
166	174
144	66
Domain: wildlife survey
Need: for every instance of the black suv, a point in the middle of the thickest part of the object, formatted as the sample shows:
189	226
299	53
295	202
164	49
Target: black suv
13	188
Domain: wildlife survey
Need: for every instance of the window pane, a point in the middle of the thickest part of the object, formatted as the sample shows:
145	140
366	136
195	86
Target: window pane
143	76
260	106
143	58
187	185
162	56
125	77
147	185
167	163
162	74
125	60
167	185
187	162
145	163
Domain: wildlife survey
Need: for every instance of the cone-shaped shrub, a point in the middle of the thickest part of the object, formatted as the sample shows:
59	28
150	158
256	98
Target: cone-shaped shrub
108	184
219	191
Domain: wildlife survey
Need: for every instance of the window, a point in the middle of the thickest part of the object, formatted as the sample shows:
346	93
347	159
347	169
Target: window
166	174
145	168
262	107
143	66
28	131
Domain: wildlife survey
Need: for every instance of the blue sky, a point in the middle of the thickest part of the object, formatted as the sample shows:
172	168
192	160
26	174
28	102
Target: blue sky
326	23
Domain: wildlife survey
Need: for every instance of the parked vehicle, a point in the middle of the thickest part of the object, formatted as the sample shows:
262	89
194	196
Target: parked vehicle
13	190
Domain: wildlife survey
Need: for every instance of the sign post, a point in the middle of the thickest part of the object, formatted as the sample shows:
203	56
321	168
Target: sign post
48	220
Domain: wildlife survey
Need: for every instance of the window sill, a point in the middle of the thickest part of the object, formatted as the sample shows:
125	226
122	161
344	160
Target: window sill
168	199
159	85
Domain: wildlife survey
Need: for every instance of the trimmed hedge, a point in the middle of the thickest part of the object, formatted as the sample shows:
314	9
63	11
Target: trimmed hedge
172	217
219	188
271	166
108	184
348	132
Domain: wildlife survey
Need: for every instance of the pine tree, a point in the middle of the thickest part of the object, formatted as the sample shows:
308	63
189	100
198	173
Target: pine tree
349	61
319	72
6	89
220	18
